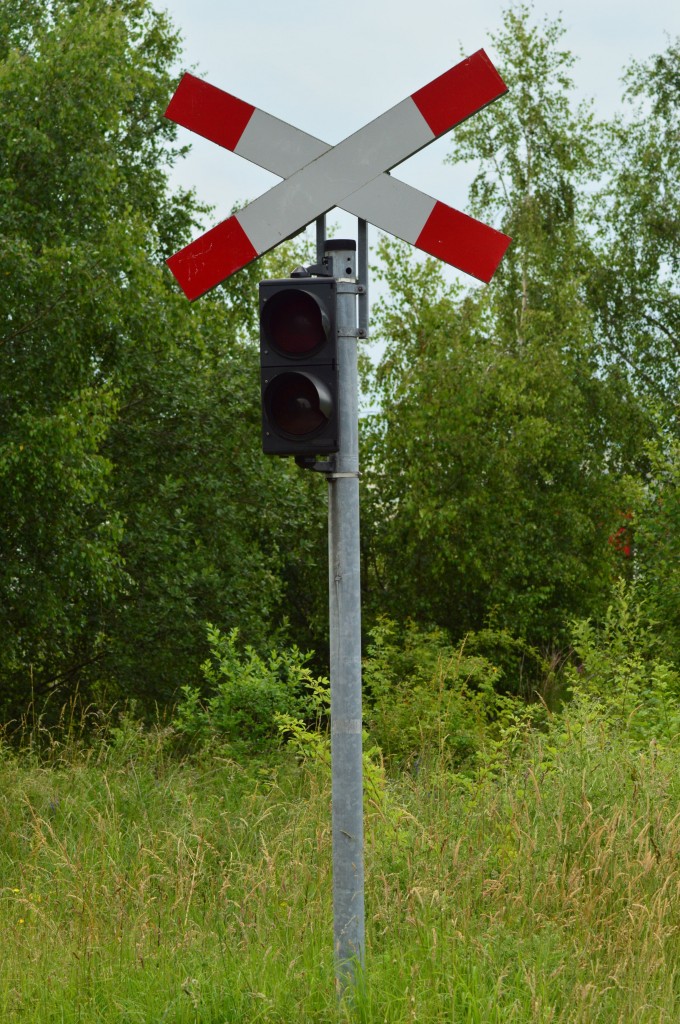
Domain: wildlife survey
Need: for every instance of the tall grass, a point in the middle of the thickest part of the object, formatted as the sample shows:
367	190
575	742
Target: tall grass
137	886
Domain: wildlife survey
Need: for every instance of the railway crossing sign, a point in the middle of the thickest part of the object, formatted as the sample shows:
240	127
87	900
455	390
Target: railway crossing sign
353	175
308	351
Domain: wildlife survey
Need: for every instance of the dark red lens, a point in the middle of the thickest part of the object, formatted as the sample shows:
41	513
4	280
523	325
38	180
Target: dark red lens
298	404
293	323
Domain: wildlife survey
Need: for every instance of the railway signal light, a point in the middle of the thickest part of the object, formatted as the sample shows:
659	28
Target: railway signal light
298	366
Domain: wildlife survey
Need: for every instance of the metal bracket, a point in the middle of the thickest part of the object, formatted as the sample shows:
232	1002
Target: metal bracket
346	287
309	462
327	468
351	332
314	270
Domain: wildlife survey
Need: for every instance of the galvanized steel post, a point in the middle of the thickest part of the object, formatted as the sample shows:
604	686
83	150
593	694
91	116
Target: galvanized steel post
345	633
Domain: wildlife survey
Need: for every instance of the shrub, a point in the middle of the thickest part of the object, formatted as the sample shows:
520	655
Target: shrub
657	545
425	696
246	693
621	670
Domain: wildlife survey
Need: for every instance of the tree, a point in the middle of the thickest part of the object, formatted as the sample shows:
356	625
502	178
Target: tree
215	531
134	501
500	454
634	286
634	292
74	162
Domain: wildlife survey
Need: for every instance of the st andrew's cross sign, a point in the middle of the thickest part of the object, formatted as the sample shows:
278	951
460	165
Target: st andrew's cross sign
352	175
308	355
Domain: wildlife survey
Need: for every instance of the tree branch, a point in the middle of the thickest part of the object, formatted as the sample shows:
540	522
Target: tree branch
652	320
31	323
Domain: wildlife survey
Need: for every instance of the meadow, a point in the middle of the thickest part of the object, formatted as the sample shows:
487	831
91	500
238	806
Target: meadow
140	883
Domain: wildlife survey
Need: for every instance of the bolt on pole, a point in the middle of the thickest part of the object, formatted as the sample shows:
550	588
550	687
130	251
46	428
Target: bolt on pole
345	634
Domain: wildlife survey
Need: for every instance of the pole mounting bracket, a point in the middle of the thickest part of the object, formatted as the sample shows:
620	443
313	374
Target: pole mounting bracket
327	468
309	462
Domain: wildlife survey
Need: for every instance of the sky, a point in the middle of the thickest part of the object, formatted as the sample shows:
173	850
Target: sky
330	68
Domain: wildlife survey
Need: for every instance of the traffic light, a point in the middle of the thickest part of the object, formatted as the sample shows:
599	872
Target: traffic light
298	366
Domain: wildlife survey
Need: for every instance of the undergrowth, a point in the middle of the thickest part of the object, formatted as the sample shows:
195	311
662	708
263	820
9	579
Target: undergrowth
529	872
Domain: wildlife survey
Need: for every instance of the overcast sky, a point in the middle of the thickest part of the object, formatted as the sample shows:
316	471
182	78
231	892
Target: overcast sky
330	68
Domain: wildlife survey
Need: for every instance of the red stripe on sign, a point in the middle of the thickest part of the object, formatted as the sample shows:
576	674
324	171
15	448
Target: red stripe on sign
463	242
459	92
208	111
212	258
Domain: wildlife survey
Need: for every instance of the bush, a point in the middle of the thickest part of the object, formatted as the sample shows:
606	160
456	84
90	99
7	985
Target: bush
657	545
622	672
425	696
246	694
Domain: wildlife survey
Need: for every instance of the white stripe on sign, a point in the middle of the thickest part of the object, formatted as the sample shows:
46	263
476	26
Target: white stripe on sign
393	206
277	146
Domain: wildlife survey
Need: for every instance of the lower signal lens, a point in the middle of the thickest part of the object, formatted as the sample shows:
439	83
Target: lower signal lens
299	404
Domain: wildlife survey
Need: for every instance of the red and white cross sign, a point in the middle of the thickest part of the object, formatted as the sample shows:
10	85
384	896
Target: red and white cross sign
352	175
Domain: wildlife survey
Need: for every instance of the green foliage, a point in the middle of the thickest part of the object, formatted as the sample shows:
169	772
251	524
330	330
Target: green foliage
80	199
515	428
311	745
633	284
505	447
490	491
310	741
83	152
249	696
193	546
426	698
657	545
200	889
621	674
534	148
129	430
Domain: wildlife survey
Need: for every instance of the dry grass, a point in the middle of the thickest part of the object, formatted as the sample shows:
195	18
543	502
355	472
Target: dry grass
139	888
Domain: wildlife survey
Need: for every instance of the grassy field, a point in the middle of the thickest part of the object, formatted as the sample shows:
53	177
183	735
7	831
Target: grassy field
138	887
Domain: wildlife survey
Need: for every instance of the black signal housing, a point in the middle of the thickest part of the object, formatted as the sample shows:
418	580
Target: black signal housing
298	366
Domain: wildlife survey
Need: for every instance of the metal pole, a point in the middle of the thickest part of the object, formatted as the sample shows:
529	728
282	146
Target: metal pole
362	262
345	635
320	237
